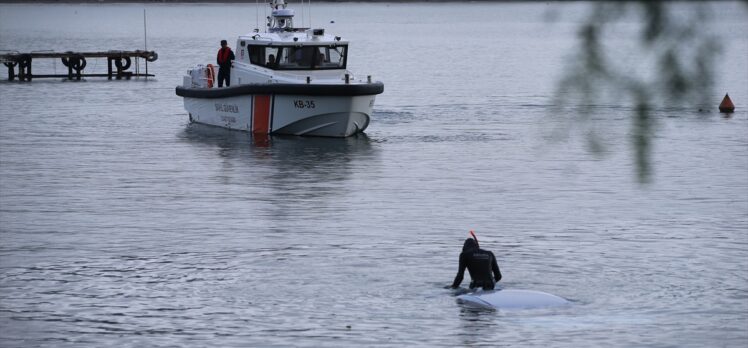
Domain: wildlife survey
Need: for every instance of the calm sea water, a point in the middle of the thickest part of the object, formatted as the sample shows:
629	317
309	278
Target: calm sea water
123	225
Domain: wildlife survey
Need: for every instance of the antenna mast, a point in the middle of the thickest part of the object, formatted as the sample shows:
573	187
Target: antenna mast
145	42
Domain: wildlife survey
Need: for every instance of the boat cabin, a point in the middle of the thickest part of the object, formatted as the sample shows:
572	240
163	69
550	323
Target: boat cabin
285	47
305	56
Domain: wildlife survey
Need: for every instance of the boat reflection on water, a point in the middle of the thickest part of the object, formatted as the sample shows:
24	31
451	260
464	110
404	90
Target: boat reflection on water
285	163
231	139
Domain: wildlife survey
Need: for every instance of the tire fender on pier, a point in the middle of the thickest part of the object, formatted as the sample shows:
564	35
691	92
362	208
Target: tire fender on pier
122	66
78	62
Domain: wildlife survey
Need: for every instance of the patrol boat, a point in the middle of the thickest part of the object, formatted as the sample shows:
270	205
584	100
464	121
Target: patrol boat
286	80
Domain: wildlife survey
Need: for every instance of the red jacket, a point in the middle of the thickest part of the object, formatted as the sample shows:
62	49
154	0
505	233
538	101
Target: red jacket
225	56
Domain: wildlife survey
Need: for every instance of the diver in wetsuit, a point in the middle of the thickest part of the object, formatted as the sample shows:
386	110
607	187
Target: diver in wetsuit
480	263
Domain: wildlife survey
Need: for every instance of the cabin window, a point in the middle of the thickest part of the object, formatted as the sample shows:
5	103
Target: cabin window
298	57
256	53
263	56
334	57
271	57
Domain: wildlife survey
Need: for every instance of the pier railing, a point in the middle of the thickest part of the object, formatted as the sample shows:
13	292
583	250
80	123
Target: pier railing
118	62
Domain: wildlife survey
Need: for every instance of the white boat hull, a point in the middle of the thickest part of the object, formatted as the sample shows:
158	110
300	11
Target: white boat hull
286	80
333	116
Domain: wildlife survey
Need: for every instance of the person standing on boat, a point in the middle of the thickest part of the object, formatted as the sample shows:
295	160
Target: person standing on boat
224	58
480	263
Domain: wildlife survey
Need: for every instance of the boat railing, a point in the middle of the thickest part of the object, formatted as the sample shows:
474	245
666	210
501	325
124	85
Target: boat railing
347	77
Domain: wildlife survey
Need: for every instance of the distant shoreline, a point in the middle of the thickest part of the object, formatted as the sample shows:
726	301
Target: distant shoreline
235	1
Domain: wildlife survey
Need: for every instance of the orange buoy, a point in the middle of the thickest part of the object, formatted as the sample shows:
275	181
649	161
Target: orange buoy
726	105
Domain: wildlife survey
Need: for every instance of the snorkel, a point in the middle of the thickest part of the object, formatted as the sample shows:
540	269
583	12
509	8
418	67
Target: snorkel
474	237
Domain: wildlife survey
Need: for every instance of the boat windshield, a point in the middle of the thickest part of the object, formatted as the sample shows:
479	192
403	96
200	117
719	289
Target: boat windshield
299	57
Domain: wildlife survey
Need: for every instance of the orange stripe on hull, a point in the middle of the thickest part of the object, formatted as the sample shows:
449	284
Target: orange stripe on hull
261	115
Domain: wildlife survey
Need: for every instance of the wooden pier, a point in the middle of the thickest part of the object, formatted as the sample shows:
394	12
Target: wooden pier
119	63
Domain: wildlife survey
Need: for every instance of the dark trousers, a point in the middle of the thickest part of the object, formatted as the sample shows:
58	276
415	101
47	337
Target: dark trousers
224	74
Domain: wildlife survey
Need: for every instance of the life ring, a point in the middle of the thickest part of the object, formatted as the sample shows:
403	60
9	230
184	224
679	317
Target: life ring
210	74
